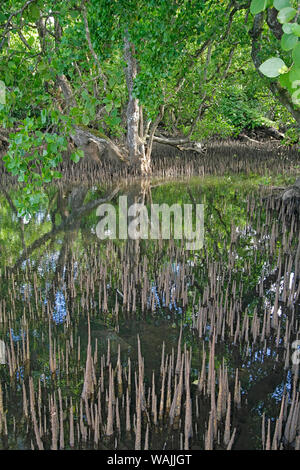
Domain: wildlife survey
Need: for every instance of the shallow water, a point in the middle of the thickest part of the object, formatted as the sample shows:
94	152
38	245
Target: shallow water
233	308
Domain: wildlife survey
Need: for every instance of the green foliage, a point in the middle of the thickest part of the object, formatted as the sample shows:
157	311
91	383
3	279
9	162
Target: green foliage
274	67
34	154
291	136
241	111
174	67
214	125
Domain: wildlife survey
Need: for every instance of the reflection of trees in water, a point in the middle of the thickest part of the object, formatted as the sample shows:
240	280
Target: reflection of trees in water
67	205
242	260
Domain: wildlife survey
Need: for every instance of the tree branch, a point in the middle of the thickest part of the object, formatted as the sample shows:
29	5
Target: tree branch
92	50
7	25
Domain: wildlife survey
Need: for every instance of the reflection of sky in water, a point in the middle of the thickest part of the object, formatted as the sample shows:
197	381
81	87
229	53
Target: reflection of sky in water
260	355
289	277
49	262
60	310
20	373
286	283
26	219
176	267
162	303
39	218
15	336
26	290
278	392
46	378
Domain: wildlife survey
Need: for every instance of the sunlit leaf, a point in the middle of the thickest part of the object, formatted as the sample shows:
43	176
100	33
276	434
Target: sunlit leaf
286	14
271	67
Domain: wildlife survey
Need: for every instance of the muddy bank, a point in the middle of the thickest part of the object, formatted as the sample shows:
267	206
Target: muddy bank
220	158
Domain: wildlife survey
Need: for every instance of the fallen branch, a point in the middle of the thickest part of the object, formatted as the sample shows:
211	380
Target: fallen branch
183	143
244	136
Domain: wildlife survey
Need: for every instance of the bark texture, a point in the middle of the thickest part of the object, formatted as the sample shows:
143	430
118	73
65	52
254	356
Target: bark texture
135	146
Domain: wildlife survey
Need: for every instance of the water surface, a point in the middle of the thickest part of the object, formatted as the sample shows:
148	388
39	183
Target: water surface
215	326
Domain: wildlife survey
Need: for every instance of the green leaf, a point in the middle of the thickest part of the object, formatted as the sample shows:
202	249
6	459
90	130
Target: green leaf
76	156
288	41
296	94
280	4
296	55
284	80
43	116
19	139
271	67
34	12
287	28
85	120
31	41
296	29
286	14
294	74
257	6
21	178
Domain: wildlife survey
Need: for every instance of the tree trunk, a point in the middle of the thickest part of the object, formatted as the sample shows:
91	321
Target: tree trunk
293	192
96	146
134	143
